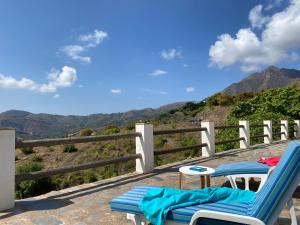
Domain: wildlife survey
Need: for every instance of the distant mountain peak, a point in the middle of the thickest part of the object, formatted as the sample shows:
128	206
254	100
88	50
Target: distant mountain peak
15	112
271	77
272	69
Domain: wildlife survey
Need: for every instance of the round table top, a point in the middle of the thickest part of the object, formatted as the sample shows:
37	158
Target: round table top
186	170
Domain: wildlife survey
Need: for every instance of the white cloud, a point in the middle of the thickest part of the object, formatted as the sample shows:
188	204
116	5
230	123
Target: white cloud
93	39
116	91
170	54
153	91
56	79
87	41
56	96
190	89
273	4
74	51
278	41
256	17
158	72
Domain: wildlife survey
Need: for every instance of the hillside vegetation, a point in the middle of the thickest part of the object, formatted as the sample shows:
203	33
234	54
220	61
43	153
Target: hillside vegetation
274	104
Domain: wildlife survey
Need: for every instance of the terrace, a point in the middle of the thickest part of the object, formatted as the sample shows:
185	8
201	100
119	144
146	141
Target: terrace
88	203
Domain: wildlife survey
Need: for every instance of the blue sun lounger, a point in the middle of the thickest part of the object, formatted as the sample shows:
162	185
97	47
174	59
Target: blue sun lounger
263	210
245	170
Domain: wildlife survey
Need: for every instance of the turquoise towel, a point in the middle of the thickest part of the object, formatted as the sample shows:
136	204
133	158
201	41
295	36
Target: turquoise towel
158	202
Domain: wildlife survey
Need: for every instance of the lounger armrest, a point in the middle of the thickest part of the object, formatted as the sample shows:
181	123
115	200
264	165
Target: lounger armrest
225	217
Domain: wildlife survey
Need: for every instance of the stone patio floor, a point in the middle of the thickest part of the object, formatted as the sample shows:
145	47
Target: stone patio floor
88	204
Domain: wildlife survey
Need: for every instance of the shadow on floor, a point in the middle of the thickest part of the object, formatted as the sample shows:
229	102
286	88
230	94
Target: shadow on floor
285	221
35	205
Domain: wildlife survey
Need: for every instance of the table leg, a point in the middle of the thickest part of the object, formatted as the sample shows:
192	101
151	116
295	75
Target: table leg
180	180
202	183
208	181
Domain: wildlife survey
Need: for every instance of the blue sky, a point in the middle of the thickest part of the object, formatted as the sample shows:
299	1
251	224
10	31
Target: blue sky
84	57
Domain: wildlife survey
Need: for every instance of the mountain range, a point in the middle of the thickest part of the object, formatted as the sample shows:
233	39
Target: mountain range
272	77
31	125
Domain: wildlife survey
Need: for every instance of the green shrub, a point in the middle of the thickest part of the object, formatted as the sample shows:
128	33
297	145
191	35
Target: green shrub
35	187
112	129
72	179
110	171
89	176
130	126
51	149
85	132
188	141
70	148
29	167
160	142
173	111
190	106
75	178
158	161
110	146
27	150
128	146
36	158
173	125
193	108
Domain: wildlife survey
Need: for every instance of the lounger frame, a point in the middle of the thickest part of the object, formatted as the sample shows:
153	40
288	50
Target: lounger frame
139	219
225	217
263	178
239	218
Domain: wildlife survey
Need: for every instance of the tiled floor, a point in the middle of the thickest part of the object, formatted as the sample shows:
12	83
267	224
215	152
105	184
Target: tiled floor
88	204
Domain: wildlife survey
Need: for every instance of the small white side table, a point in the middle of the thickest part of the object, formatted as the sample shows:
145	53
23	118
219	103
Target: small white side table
204	176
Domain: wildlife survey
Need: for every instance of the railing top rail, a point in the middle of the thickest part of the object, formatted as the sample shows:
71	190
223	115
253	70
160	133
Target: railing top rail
72	140
180	130
258	125
228	126
278	124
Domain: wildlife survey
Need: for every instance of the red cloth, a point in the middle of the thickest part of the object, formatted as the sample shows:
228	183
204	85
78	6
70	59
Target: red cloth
271	161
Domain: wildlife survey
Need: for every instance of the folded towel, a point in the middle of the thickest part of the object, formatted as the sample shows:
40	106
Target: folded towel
271	161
